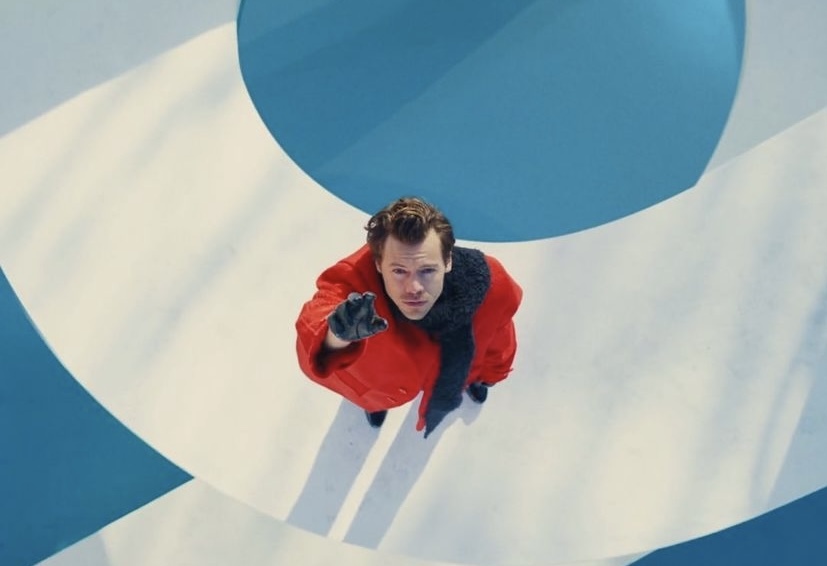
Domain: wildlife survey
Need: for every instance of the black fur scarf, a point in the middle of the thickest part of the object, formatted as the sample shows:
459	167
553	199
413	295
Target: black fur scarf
449	322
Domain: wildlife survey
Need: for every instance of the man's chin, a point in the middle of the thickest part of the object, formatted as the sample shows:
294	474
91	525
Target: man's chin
414	313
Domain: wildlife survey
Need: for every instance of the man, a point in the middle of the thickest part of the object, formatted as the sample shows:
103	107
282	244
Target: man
410	312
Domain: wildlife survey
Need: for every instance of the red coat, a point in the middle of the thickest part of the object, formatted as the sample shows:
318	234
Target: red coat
392	367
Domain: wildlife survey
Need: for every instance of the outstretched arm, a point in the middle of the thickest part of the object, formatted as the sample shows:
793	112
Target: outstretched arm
333	324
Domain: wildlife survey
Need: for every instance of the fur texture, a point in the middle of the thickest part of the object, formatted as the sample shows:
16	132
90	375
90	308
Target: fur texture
449	321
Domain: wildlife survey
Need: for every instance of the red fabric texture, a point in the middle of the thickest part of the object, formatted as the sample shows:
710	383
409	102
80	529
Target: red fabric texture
391	368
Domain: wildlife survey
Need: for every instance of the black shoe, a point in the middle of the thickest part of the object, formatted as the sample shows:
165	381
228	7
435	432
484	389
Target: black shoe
376	419
478	392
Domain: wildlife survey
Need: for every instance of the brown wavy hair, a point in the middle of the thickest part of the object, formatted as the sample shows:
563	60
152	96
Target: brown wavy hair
409	220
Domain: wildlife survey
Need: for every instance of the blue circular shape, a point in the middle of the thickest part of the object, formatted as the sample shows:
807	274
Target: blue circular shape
520	119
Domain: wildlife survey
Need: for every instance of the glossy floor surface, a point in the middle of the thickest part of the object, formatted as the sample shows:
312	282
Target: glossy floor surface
669	381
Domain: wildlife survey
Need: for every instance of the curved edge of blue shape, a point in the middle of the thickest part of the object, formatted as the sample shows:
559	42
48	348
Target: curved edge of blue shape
790	535
588	112
67	466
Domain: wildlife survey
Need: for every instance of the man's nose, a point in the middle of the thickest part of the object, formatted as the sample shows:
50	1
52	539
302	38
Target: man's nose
414	287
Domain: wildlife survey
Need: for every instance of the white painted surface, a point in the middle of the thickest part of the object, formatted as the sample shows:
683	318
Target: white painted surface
666	384
195	524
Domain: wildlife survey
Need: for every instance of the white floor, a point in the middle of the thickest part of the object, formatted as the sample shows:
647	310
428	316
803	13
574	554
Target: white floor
198	525
667	380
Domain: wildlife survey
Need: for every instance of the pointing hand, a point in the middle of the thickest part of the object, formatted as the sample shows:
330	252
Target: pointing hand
356	318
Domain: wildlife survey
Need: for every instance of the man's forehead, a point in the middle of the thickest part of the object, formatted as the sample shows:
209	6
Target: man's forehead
427	251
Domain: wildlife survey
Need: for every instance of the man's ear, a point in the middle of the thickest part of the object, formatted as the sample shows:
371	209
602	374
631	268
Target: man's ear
378	267
450	263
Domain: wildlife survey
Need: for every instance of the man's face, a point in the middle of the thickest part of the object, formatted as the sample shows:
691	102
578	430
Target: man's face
413	274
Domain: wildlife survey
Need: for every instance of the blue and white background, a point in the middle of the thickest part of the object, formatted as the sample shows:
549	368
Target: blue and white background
175	175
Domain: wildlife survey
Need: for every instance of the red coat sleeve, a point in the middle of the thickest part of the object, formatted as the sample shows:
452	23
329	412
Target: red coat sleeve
506	296
332	287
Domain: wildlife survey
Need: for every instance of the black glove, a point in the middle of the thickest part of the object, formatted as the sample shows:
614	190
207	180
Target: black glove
356	318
